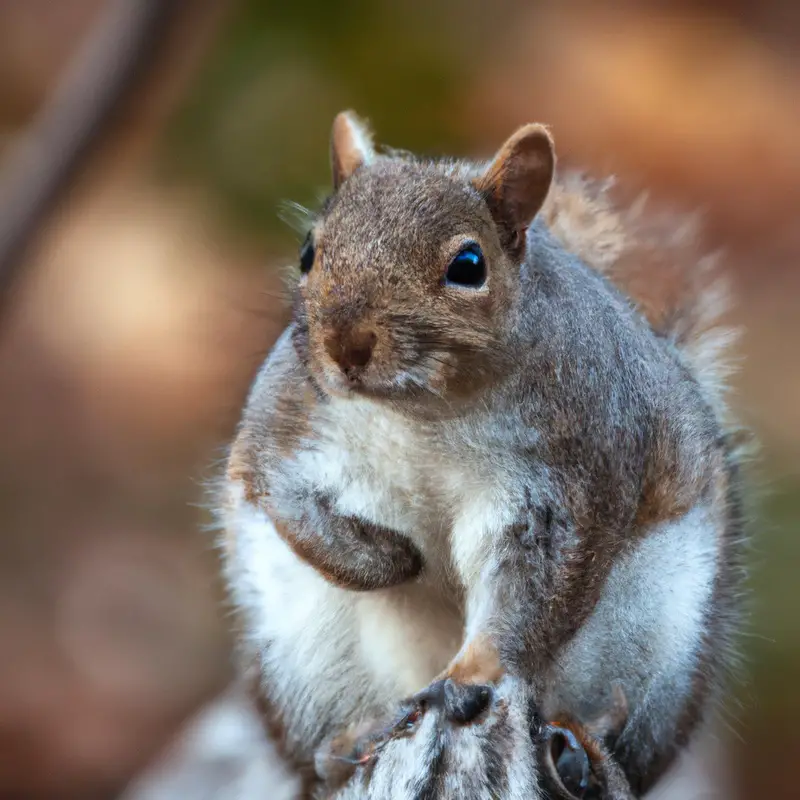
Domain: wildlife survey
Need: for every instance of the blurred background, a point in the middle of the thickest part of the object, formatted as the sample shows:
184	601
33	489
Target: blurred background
146	301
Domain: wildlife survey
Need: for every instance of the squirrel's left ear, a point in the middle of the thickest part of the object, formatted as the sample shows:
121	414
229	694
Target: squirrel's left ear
351	146
517	181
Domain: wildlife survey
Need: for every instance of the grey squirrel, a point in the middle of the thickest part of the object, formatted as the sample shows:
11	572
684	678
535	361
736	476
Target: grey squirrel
492	442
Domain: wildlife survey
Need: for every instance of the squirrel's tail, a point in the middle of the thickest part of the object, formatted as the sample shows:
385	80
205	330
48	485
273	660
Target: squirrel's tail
655	259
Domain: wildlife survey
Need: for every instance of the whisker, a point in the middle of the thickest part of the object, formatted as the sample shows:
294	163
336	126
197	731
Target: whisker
299	218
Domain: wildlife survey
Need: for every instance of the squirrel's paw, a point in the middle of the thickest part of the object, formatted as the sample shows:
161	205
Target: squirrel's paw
459	703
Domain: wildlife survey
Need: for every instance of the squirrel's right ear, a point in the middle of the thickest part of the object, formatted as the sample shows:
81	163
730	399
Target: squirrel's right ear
517	181
351	146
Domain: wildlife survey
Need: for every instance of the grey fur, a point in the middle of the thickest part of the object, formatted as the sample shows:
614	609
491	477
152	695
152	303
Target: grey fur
596	433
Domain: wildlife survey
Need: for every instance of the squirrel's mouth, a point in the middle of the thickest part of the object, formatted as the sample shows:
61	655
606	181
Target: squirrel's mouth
425	377
339	385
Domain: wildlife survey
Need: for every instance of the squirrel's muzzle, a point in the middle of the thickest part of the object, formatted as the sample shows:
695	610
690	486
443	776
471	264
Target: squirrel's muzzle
351	350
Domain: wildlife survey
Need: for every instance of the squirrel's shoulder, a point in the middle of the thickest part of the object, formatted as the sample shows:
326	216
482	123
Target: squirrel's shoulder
276	414
655	258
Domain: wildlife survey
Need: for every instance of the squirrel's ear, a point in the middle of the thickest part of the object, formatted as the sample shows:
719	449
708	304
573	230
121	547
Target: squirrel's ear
351	146
517	181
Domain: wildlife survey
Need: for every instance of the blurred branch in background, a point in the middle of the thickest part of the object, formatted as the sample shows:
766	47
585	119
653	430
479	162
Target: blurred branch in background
108	609
40	165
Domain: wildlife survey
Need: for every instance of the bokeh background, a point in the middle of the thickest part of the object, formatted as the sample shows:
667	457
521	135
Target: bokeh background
152	293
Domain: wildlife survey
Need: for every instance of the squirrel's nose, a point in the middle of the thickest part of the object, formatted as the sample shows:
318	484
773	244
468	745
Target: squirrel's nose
351	350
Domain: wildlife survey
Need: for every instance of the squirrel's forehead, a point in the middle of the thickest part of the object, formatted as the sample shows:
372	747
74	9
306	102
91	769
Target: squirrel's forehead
401	196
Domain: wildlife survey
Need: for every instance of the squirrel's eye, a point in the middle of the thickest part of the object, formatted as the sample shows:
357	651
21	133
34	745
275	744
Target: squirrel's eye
307	255
467	269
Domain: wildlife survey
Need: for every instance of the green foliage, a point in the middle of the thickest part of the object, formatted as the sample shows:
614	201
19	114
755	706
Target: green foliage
254	128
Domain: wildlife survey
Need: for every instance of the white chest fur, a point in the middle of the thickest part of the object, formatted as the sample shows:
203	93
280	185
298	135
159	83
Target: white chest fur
386	469
372	463
322	640
376	466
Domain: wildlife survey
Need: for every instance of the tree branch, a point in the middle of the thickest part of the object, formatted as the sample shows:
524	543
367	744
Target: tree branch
101	77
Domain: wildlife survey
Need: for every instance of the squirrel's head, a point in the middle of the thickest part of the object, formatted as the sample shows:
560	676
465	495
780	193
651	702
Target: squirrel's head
410	271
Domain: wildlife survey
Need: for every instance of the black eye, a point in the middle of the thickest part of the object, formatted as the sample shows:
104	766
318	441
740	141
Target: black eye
307	255
467	269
